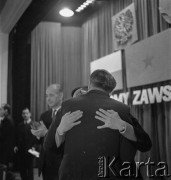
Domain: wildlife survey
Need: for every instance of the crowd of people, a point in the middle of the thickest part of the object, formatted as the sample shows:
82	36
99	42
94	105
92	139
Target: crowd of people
75	135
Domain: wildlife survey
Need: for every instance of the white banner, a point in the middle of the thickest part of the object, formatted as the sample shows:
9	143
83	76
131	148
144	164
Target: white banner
111	63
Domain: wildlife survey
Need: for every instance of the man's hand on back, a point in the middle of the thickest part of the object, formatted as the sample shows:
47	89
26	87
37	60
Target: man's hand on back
110	118
68	121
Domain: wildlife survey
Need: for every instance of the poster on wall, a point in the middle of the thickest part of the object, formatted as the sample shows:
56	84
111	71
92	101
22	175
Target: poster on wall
124	28
165	10
111	63
149	61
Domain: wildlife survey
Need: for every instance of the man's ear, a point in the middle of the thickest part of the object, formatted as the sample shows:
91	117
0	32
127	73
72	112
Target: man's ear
89	85
61	96
111	93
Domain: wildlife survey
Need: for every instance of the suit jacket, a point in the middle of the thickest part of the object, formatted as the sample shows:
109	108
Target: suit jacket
85	144
6	140
25	139
51	158
49	140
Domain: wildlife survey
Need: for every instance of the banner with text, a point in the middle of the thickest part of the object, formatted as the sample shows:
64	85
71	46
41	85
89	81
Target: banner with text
149	95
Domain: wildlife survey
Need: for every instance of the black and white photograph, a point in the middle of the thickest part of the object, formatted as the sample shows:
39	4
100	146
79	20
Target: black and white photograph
85	89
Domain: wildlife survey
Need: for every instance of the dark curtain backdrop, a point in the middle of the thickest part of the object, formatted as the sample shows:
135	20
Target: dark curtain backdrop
76	47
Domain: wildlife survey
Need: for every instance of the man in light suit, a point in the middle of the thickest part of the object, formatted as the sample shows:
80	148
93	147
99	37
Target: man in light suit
49	160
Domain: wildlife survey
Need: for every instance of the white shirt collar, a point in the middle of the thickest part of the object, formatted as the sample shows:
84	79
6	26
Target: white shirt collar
56	109
1	118
28	121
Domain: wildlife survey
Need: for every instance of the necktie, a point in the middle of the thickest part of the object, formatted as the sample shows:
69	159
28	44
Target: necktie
54	114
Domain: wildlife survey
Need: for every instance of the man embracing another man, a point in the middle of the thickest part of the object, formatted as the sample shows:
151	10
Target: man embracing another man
105	130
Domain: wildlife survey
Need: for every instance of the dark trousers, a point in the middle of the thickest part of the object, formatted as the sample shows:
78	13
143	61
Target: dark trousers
49	173
26	167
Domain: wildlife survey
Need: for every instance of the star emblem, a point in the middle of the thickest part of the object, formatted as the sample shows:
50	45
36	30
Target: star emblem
148	61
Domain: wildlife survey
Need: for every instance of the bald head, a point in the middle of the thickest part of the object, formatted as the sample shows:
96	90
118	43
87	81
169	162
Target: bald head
54	95
55	87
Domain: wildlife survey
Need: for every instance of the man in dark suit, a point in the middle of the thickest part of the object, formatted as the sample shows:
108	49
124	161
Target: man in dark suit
49	140
89	140
25	141
6	135
49	160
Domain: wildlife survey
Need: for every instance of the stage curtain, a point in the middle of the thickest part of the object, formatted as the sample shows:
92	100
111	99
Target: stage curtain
55	58
89	47
71	47
3	67
46	66
149	20
97	42
156	120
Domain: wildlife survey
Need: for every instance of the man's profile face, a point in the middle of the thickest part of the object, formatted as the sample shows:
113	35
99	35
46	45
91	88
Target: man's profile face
53	97
26	114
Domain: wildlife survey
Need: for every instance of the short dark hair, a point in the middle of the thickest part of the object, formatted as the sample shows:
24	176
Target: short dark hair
103	79
26	108
7	107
